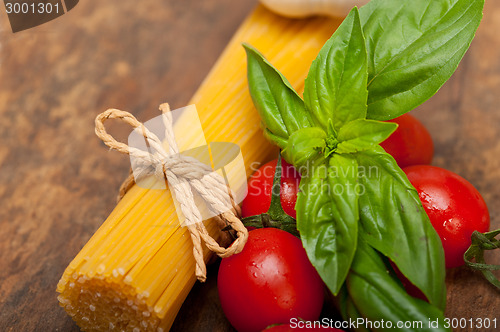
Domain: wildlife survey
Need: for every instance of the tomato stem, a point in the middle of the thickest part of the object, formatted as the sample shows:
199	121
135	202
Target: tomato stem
274	217
480	243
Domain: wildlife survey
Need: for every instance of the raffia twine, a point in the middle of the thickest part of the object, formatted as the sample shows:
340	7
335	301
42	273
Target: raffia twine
184	175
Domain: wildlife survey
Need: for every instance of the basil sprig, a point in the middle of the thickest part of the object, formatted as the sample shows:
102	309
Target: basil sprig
380	63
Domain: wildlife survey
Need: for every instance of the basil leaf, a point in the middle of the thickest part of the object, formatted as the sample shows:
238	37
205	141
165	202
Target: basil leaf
348	310
394	222
279	141
281	109
413	49
304	146
353	313
327	217
378	297
335	87
362	134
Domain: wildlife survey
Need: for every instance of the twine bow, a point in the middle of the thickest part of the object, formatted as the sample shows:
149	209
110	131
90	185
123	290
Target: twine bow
184	175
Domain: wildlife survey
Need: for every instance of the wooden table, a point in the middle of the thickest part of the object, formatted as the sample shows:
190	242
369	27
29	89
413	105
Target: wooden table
58	182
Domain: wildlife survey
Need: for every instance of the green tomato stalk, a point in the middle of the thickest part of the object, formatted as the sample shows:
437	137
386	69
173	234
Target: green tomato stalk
275	216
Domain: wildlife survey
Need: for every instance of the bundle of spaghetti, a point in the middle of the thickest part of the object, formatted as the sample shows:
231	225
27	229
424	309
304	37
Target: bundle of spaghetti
138	268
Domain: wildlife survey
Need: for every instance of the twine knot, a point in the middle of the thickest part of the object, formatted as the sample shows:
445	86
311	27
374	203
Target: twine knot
185	175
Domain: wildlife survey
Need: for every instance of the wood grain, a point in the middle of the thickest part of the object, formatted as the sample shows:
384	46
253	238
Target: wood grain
58	182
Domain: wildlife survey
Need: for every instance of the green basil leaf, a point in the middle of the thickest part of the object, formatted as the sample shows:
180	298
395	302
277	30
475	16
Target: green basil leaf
413	49
353	313
362	134
378	297
281	109
304	146
335	87
394	222
341	300
279	141
327	217
348	310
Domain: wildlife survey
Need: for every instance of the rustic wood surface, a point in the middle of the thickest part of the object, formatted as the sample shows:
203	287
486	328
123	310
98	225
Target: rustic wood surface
58	182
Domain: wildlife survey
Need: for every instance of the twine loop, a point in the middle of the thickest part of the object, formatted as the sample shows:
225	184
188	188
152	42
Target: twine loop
185	175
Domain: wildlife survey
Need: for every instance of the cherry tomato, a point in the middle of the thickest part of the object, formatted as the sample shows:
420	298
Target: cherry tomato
410	288
453	205
411	143
269	282
258	199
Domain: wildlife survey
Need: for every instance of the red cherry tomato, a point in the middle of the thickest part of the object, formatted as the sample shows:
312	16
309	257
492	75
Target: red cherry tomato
269	282
453	205
410	288
411	143
258	199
